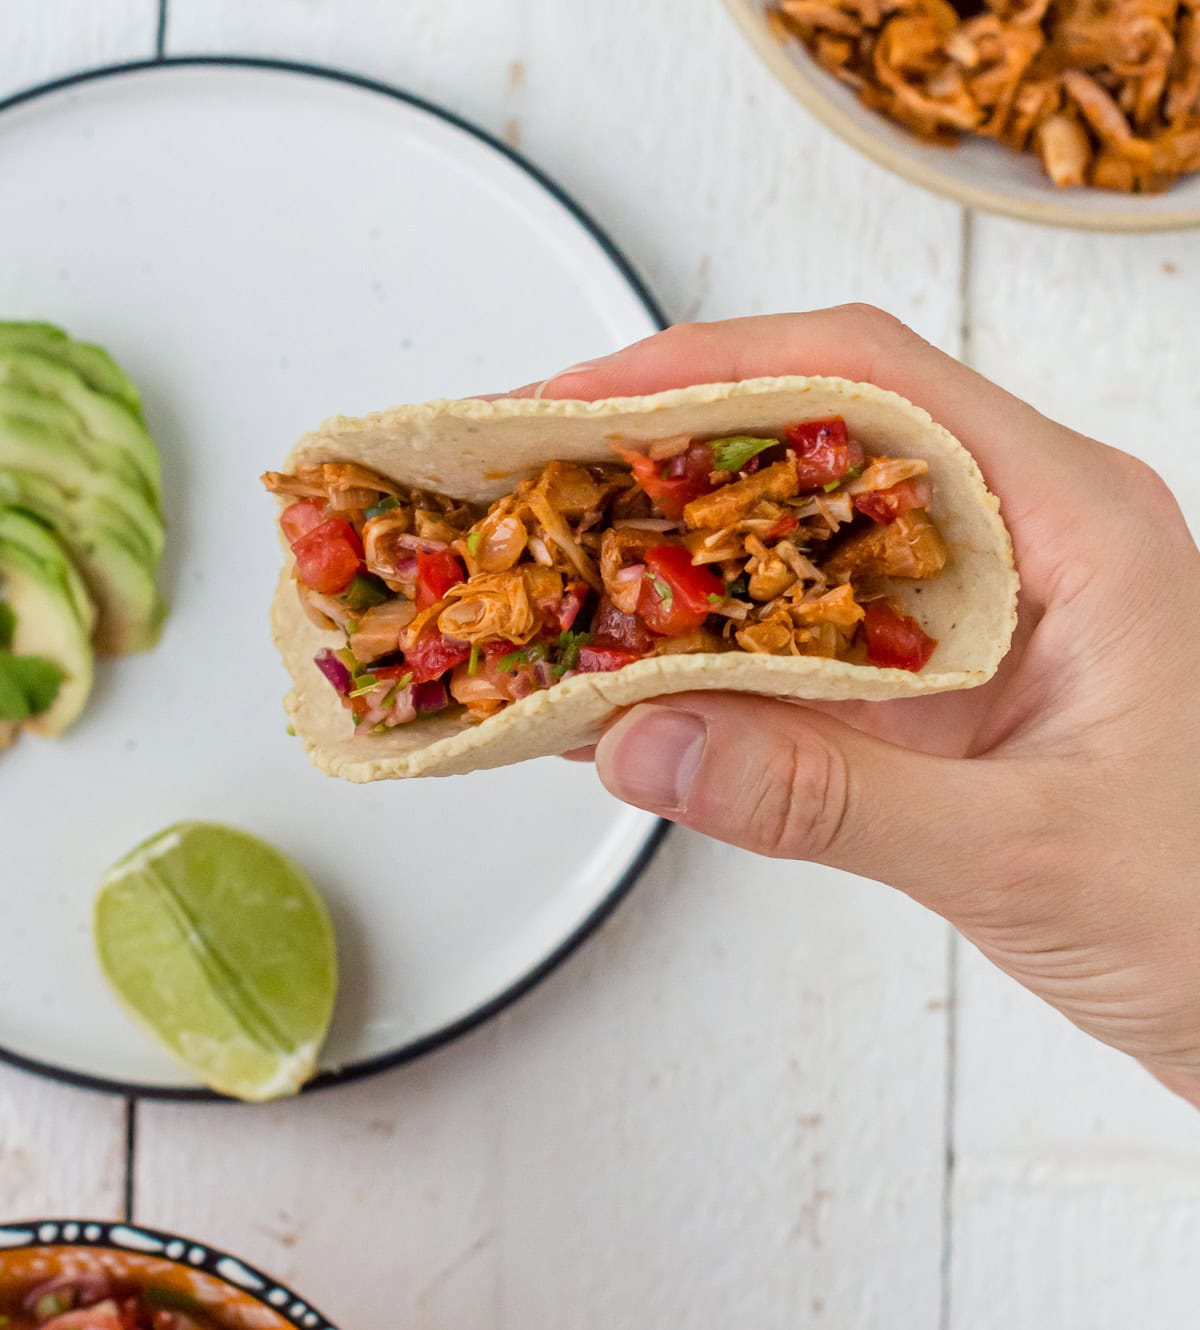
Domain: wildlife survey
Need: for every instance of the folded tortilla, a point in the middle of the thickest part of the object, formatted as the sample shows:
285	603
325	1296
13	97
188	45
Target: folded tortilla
478	451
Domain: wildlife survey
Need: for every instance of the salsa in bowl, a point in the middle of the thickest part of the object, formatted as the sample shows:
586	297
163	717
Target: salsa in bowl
78	1274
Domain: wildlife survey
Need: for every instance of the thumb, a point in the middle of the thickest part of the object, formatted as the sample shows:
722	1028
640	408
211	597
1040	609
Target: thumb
794	783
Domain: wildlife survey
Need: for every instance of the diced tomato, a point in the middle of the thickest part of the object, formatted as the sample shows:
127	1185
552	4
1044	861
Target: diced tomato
598	657
433	654
781	528
674	596
328	556
382	672
298	519
436	574
571	604
825	452
613	628
886	505
672	484
895	641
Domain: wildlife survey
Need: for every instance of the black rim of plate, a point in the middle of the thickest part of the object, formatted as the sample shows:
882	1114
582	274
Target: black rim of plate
624	884
138	1240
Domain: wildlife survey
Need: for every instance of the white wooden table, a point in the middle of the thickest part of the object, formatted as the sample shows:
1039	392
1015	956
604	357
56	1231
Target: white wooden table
766	1095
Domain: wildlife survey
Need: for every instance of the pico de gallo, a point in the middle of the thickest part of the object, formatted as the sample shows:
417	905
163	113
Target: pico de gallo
97	1301
773	545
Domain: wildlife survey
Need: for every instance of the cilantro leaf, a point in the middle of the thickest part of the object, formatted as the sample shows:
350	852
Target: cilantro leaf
473	663
512	660
474	540
663	591
28	685
384	505
8	624
733	453
567	650
714	599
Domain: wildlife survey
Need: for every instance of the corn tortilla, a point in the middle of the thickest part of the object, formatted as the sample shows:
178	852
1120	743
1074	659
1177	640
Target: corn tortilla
478	451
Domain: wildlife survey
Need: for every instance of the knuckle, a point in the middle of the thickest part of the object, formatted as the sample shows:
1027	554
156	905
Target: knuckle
683	336
1146	484
880	337
798	801
875	322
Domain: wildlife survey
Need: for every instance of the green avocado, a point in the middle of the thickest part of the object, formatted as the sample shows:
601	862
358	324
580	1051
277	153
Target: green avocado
110	432
106	550
92	363
51	614
51	452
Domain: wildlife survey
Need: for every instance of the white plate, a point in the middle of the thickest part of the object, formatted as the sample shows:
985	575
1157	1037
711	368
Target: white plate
260	247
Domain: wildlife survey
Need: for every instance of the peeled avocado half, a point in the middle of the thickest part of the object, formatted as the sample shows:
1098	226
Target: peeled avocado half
54	615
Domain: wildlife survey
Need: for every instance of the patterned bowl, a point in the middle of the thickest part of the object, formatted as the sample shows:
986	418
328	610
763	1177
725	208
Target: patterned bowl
977	173
225	1289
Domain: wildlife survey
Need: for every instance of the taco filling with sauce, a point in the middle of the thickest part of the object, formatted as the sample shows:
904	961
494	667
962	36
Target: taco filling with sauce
96	1301
770	545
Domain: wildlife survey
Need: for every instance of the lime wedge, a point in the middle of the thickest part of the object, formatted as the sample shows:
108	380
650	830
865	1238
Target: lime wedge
220	946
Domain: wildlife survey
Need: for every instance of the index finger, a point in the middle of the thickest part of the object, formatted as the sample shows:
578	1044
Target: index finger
849	341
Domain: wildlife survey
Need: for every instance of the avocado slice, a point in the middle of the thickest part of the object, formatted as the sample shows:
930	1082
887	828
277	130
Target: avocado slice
109	429
45	450
53	613
117	571
25	404
92	363
64	508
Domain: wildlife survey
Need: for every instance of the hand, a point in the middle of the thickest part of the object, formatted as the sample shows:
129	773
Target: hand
1052	815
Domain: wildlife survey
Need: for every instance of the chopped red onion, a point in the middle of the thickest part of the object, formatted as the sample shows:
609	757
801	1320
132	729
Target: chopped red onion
632	572
430	696
334	670
543	672
402	709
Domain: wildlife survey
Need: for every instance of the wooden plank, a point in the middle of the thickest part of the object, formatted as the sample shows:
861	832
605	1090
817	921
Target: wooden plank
696	1119
729	1107
45	40
1074	1169
375	1200
1099	332
730	1110
63	1150
1077	1241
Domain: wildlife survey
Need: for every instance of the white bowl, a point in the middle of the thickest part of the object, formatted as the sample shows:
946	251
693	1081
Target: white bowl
978	173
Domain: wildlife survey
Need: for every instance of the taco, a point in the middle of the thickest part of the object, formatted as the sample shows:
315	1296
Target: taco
470	583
